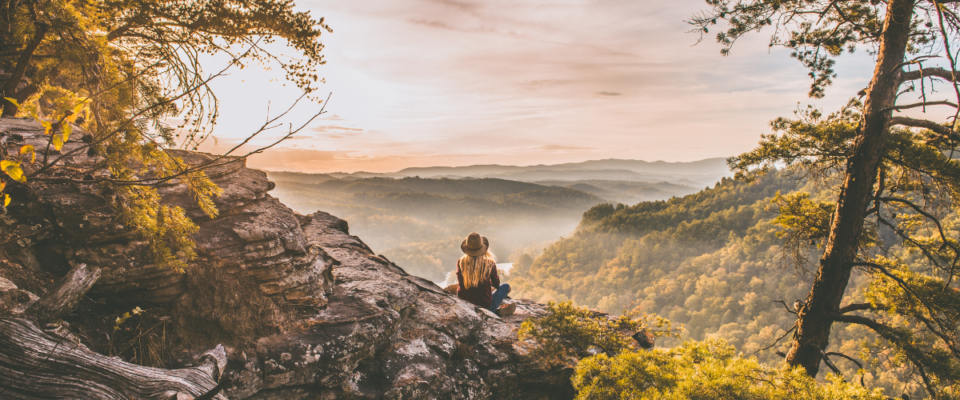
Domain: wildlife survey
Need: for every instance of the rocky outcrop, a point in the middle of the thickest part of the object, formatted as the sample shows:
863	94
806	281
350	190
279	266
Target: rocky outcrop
304	309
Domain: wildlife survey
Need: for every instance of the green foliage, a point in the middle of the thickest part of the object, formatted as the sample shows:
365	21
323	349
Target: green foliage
122	70
611	366
912	287
613	260
803	223
710	369
166	229
894	185
713	262
569	332
816	143
802	218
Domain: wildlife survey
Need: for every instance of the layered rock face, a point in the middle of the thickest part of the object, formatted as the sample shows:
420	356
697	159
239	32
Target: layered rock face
304	309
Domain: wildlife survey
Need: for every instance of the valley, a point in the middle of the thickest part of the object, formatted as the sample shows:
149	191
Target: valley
418	221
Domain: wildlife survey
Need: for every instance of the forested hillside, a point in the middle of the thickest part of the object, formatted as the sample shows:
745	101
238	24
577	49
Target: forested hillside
626	192
711	261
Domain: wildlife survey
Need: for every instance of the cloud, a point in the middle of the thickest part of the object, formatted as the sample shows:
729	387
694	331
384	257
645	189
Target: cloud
334	128
312	160
460	5
333	117
436	24
558	147
415	82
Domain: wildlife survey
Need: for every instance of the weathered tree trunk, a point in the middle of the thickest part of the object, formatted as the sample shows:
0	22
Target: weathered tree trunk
66	296
34	365
813	332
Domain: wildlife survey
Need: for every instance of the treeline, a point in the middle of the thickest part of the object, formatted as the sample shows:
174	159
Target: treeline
712	261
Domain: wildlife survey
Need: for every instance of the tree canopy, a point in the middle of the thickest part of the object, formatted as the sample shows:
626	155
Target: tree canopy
135	76
889	172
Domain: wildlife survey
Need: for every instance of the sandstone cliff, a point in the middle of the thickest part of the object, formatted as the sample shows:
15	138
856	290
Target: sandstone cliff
303	309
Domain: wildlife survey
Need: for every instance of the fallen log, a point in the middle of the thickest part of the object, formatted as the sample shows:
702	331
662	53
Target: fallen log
35	365
66	296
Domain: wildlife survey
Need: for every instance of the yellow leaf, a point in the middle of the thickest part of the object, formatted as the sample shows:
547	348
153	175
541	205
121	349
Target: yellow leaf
79	107
67	130
13	169
3	185
12	101
58	142
29	149
6	200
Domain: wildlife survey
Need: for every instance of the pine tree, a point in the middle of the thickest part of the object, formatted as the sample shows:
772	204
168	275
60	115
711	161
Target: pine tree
889	174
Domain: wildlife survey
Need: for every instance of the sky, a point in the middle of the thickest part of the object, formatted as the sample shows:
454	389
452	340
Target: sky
521	82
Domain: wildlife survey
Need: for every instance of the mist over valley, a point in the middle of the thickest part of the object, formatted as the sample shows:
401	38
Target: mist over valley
417	217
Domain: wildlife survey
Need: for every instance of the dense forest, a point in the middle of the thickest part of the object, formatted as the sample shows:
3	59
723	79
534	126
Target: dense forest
714	261
419	223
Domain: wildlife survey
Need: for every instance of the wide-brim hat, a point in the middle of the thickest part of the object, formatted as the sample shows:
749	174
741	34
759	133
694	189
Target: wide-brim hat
475	245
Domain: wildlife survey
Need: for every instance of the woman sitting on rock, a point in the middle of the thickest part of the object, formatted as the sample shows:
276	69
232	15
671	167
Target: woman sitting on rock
477	275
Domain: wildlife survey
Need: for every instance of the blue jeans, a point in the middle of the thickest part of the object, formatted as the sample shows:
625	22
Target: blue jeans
498	297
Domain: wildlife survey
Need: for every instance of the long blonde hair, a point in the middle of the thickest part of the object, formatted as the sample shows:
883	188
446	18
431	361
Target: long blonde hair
476	269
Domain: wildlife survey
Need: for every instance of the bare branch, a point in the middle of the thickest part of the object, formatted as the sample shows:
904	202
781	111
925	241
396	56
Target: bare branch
855	307
68	294
930	73
826	360
859	364
787	307
921	104
920	211
922	123
778	339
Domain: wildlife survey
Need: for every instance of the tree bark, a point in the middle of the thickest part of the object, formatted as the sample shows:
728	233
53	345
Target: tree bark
34	365
9	109
66	296
815	321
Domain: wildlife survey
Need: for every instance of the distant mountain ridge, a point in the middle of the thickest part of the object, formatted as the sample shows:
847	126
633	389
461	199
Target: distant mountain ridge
706	166
694	173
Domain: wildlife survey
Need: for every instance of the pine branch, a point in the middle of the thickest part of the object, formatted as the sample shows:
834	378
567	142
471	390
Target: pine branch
855	307
921	104
922	123
934	72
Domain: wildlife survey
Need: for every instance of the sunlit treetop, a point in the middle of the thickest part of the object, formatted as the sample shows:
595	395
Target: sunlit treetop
134	75
150	59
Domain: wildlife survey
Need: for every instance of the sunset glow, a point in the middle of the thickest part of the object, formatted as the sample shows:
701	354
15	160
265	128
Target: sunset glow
445	82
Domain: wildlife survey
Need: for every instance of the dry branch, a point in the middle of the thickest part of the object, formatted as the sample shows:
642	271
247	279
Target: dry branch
930	72
66	296
34	365
922	123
